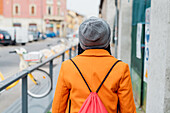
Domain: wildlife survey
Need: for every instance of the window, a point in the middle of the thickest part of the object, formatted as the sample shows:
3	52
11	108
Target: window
58	11
49	10
58	5
16	9
32	9
16	24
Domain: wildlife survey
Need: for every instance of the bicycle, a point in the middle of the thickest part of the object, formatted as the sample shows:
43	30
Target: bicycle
39	81
61	46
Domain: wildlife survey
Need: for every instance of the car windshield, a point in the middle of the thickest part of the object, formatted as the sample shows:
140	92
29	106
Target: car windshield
4	32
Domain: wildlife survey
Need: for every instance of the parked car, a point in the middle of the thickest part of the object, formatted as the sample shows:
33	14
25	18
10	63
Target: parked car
30	36
12	32
5	38
18	35
51	34
42	36
35	36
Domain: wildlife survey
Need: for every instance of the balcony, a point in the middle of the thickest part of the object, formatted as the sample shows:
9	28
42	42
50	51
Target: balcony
49	2
55	18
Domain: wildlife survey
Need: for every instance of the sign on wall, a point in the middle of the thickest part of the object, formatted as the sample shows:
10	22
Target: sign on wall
147	39
138	41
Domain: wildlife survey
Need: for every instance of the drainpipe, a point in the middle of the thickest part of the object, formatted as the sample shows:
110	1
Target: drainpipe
116	30
12	12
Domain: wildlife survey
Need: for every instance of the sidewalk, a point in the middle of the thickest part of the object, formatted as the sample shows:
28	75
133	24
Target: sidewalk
113	52
56	73
41	105
139	111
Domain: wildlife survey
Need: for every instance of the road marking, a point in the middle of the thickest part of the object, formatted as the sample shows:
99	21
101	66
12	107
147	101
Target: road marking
1	76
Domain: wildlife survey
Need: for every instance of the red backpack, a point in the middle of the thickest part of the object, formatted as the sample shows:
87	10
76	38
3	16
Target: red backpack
93	104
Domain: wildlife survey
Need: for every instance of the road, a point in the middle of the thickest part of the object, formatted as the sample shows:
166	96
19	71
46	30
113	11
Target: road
9	65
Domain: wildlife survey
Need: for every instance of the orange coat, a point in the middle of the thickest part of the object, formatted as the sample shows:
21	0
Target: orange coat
94	65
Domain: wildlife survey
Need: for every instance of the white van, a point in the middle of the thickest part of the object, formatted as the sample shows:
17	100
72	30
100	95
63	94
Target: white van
21	35
18	35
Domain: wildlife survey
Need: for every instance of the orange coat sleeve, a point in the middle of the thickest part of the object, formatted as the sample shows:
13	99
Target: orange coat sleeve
125	93
61	94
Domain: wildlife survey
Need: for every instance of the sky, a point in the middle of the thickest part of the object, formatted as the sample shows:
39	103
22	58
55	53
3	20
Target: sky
84	7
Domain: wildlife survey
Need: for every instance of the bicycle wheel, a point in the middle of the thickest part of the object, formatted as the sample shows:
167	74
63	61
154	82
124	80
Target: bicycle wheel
39	83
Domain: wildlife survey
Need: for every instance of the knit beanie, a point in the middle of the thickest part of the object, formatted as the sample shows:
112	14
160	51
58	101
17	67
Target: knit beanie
94	33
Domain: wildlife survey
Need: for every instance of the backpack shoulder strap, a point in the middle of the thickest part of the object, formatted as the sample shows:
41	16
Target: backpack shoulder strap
107	75
81	74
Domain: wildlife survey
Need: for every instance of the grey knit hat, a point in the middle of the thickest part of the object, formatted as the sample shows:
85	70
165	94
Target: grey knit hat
94	33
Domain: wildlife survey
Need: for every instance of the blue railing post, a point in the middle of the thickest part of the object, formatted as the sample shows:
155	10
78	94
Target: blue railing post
24	95
63	57
75	47
51	73
70	53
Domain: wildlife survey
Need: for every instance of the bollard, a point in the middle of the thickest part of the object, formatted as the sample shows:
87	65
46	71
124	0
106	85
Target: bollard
51	73
24	95
75	47
63	57
70	53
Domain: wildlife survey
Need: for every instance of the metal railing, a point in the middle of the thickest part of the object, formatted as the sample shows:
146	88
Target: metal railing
23	75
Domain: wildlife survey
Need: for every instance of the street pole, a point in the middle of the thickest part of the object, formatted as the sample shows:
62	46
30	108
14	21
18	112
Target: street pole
41	16
116	30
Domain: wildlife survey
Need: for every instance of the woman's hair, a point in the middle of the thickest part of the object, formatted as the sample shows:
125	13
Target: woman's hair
80	50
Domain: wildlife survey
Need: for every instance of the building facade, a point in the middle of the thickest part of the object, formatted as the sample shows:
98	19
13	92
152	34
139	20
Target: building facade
1	9
129	49
107	11
143	43
73	21
42	15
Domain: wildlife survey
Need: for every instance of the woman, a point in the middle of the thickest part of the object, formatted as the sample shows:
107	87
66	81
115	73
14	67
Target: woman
87	71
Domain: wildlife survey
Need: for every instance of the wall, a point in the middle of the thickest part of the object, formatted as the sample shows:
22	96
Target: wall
125	22
8	22
158	94
39	18
110	15
41	8
64	8
104	9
